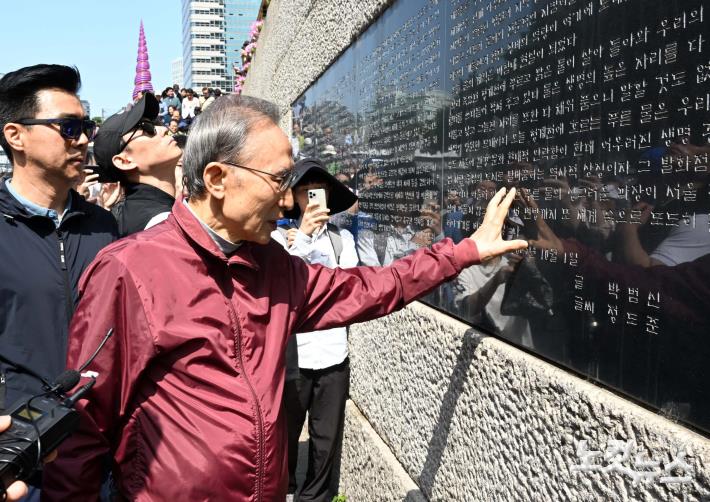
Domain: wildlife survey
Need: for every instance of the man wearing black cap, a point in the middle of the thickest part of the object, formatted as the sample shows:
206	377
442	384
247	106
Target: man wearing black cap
131	148
318	381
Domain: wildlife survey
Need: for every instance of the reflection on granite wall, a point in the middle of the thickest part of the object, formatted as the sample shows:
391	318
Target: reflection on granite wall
598	113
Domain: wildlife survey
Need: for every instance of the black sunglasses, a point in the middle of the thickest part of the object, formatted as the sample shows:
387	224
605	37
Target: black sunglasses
144	125
69	128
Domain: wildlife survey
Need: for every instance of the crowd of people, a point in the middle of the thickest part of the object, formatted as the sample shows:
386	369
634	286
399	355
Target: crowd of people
187	316
180	106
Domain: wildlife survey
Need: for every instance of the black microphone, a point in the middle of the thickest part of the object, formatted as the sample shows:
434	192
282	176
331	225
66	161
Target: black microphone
66	381
96	352
71	401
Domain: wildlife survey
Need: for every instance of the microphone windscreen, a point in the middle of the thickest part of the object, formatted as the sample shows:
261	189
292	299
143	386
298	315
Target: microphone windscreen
67	381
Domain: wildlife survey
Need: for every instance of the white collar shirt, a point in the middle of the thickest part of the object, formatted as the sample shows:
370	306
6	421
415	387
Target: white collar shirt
328	347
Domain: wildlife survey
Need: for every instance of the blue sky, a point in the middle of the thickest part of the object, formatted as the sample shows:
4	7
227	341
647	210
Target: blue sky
100	37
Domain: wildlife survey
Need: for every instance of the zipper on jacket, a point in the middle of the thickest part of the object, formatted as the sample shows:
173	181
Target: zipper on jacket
69	304
3	383
259	421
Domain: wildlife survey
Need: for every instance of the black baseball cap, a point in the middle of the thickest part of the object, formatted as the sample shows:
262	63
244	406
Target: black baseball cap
108	140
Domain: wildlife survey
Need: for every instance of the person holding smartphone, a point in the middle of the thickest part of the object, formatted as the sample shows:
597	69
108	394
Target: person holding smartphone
317	369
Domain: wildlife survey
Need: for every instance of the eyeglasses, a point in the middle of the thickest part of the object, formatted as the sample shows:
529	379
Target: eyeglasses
69	128
285	181
146	126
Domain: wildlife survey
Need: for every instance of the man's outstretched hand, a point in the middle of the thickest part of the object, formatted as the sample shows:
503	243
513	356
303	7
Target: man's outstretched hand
488	237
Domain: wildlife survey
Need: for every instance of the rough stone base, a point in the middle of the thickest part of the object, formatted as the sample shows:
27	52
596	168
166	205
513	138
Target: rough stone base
369	470
472	418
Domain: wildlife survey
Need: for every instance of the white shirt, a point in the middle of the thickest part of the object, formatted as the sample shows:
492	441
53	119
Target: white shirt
295	147
684	243
400	243
472	279
158	218
188	107
328	347
204	103
365	243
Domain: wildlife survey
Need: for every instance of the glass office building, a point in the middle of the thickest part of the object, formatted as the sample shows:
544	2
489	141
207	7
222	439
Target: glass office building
177	72
213	34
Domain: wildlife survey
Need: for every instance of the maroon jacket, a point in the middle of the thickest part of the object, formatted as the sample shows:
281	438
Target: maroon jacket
188	398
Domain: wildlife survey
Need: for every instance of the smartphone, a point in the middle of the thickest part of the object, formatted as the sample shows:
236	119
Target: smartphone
318	195
94	191
104	176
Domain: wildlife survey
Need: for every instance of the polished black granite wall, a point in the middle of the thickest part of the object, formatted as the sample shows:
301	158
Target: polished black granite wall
599	113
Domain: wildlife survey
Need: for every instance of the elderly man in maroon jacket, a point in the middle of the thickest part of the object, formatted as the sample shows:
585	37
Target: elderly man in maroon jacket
188	397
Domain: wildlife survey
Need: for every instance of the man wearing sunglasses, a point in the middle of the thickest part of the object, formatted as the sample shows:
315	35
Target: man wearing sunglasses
48	233
132	149
189	401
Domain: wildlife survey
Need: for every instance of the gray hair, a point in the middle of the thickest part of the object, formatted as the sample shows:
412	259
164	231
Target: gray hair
220	133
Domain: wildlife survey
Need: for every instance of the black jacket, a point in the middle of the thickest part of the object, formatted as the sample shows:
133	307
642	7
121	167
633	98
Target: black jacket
141	204
38	284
